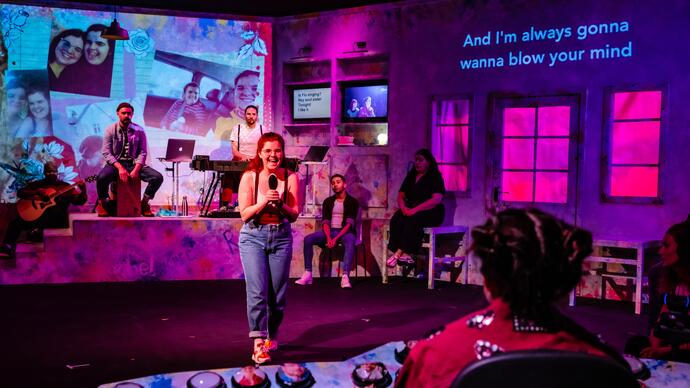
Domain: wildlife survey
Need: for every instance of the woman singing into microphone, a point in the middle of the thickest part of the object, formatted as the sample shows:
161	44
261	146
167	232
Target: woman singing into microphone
268	204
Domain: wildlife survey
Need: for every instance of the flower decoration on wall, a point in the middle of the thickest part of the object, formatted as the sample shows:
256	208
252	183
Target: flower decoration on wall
252	45
66	173
50	151
140	43
32	154
23	171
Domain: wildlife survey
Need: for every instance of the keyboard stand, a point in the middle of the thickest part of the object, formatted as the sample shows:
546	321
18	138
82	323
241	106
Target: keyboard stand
210	193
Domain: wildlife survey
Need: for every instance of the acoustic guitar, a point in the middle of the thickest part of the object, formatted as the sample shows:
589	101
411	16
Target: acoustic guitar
32	209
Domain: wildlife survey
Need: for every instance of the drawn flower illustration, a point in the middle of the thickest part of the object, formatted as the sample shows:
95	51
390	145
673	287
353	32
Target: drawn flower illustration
140	43
13	23
248	36
66	174
53	149
252	45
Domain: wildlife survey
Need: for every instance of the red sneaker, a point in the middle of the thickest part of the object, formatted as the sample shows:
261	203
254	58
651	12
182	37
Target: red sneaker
101	210
260	354
271	345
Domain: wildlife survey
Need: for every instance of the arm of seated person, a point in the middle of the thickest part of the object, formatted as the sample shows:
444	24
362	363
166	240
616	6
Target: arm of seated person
435	200
657	348
29	192
401	204
332	242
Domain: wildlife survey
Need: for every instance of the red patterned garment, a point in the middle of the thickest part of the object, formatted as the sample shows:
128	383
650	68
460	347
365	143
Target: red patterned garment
437	361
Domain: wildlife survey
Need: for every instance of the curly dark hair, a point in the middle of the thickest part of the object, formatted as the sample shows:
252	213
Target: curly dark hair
530	259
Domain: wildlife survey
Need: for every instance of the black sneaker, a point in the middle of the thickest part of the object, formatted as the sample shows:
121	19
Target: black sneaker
146	209
6	252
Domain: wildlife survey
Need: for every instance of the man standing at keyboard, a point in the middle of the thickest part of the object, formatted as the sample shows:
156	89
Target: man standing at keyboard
243	138
124	151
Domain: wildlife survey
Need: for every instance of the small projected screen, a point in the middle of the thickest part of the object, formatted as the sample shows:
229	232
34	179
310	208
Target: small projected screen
313	103
365	102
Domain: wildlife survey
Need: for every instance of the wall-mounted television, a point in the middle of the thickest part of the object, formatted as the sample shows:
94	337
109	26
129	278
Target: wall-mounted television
365	102
311	103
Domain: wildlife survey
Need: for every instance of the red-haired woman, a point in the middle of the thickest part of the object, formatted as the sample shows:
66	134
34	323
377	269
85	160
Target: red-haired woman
267	198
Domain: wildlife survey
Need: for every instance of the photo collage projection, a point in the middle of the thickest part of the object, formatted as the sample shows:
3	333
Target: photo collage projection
187	78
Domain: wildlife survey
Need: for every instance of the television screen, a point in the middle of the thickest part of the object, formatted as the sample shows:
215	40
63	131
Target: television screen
313	103
365	102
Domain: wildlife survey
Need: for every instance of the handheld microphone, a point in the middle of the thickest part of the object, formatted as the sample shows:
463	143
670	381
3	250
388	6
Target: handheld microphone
273	185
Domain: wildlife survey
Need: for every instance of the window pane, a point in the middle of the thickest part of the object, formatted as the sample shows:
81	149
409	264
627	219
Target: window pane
454	112
634	181
552	154
518	153
637	105
518	121
452	144
554	121
517	186
551	187
207	84
635	142
454	177
172	84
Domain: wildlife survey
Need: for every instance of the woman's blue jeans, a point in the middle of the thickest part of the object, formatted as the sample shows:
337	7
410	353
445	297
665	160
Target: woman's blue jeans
266	253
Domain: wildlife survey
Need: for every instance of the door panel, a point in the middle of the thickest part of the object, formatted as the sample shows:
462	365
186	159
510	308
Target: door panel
534	152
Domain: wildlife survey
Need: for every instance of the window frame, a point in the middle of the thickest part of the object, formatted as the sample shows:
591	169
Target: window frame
572	99
606	143
435	103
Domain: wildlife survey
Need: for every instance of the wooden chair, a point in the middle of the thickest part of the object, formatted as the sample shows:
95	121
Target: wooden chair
449	255
339	250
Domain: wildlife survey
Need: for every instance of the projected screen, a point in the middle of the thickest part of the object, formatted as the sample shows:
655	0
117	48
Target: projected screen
365	102
187	78
314	103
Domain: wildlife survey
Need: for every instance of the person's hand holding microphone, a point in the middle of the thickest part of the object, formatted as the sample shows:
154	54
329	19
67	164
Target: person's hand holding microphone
272	194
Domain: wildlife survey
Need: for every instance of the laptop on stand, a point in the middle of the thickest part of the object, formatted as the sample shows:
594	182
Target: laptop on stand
179	150
315	154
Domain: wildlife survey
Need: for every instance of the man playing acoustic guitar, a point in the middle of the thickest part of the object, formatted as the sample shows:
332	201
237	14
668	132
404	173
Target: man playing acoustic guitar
46	198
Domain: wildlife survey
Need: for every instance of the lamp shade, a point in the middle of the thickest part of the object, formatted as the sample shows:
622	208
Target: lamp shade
115	32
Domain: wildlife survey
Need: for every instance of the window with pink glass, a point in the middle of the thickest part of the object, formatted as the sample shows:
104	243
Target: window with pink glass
535	154
633	145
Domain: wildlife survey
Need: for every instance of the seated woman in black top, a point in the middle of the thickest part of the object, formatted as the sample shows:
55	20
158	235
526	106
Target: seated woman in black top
419	200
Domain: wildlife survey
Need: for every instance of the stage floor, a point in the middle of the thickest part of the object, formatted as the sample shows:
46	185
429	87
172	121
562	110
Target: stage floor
117	331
